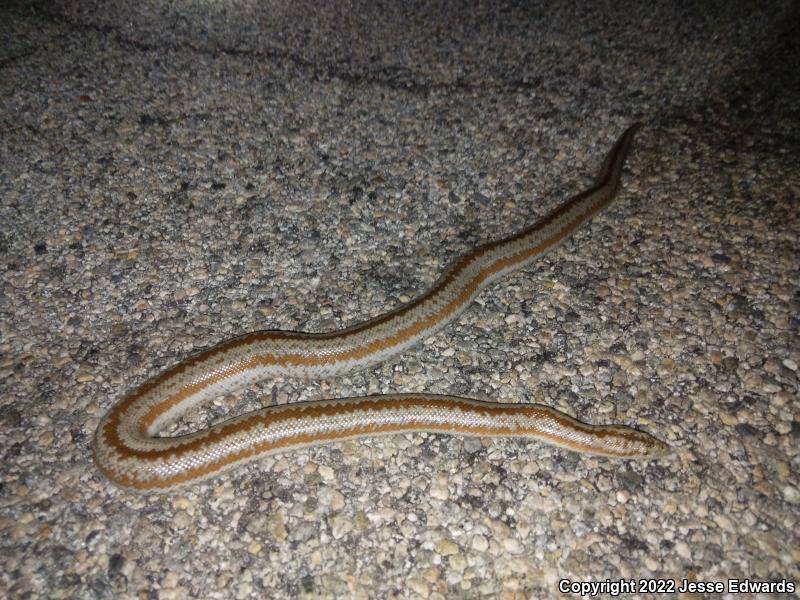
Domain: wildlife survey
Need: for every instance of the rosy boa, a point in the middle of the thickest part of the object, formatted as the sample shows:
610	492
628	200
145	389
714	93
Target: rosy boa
129	453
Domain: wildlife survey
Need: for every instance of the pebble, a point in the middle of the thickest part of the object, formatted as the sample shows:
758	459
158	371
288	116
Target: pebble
171	182
791	494
446	547
419	586
341	526
682	548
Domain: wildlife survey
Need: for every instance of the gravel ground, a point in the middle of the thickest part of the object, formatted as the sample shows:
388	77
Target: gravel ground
173	174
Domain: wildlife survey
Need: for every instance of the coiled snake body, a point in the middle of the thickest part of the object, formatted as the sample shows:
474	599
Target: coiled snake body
130	454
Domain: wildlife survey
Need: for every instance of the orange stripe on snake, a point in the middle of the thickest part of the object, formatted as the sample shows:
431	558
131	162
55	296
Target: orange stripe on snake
129	453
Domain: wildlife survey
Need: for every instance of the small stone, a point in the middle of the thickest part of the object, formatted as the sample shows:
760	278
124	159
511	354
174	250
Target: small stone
791	494
683	550
254	547
431	574
419	586
753	381
499	529
182	520
457	562
771	386
480	543
326	473
337	500
341	526
439	492
183	503
185	293
446	547
276	527
723	522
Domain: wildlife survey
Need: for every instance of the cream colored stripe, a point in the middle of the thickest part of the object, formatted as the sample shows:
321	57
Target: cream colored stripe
129	454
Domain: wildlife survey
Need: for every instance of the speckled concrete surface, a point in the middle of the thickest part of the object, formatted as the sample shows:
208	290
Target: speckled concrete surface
173	174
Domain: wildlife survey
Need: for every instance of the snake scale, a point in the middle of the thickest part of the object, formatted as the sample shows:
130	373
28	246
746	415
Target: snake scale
131	454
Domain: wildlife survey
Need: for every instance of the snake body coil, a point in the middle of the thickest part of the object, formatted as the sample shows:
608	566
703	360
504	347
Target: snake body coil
130	454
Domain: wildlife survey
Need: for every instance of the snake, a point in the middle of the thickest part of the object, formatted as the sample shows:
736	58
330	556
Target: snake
129	452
